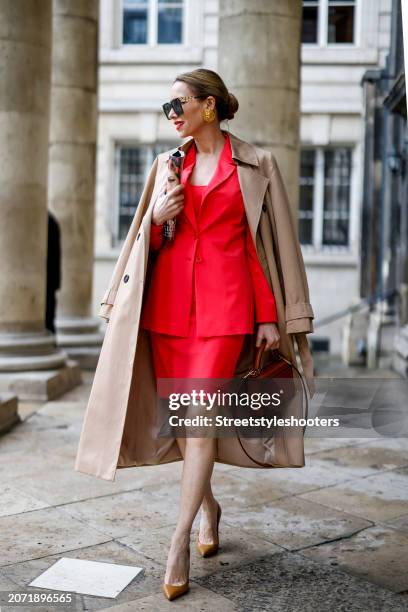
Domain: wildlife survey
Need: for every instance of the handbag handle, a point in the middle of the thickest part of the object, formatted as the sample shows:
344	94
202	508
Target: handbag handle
257	362
259	353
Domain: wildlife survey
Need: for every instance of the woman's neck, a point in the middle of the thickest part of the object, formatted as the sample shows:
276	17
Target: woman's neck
209	142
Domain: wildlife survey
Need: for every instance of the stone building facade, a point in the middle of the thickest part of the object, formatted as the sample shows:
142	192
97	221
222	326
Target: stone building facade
340	41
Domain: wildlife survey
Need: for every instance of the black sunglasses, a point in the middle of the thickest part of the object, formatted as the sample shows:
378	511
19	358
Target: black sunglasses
177	105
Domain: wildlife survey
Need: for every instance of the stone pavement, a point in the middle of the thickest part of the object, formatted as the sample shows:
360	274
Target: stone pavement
333	535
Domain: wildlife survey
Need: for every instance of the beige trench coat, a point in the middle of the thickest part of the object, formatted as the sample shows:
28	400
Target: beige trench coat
119	427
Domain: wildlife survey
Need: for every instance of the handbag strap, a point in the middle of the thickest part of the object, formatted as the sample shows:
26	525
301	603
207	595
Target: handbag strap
256	370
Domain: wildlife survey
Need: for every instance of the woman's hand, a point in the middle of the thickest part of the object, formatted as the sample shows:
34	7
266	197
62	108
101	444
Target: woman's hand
270	333
168	205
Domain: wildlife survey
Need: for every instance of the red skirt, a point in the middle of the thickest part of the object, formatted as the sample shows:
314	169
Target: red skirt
195	357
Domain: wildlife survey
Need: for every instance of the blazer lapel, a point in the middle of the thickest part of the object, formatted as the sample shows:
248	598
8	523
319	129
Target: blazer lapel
253	184
223	171
187	169
225	167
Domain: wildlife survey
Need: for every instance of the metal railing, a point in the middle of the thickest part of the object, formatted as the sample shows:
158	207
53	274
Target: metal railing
369	301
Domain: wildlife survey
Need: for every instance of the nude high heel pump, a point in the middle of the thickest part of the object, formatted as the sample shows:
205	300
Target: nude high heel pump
172	591
207	550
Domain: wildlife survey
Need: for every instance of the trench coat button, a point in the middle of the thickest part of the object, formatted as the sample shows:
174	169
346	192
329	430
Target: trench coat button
126	278
264	207
198	259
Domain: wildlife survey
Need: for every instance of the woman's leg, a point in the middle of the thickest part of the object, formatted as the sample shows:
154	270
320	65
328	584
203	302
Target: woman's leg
198	465
208	523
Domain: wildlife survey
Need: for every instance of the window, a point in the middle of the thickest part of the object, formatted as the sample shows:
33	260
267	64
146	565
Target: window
336	209
328	22
133	165
169	22
310	21
340	21
152	22
135	19
306	196
324	208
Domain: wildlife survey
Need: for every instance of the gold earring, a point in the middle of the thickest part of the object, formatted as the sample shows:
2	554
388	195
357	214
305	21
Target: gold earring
208	115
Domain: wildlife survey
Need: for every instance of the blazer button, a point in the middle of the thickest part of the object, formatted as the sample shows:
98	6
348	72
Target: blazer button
198	259
264	207
126	278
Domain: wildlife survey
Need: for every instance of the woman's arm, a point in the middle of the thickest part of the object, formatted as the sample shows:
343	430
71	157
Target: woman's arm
265	306
156	236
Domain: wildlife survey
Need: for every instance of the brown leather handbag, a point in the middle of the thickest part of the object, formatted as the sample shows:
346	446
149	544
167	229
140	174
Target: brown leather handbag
280	367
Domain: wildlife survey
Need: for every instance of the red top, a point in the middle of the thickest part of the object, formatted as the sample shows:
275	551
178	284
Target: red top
197	193
213	256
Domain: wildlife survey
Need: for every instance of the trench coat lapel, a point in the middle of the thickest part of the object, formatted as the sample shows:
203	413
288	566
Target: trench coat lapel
253	188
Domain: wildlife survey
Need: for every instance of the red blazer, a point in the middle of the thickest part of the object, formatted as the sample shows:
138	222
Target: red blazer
212	256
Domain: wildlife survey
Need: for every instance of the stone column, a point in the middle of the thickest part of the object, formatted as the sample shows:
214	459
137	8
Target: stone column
259	59
30	363
71	180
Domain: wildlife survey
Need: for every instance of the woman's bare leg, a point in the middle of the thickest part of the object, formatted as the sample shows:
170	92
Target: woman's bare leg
208	522
199	454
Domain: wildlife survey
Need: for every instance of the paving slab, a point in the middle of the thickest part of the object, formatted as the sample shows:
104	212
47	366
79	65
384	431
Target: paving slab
390	442
364	460
198	599
124	513
56	482
400	523
148	583
376	498
143	593
40	432
15	464
43	532
16	501
236	547
228	489
293	522
6	583
64	410
315	475
377	554
316	445
292	583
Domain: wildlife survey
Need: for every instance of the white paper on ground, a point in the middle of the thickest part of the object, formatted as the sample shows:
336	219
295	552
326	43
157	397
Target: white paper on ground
87	577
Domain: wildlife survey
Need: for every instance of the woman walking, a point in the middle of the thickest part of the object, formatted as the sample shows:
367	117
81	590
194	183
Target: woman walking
196	307
213	288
